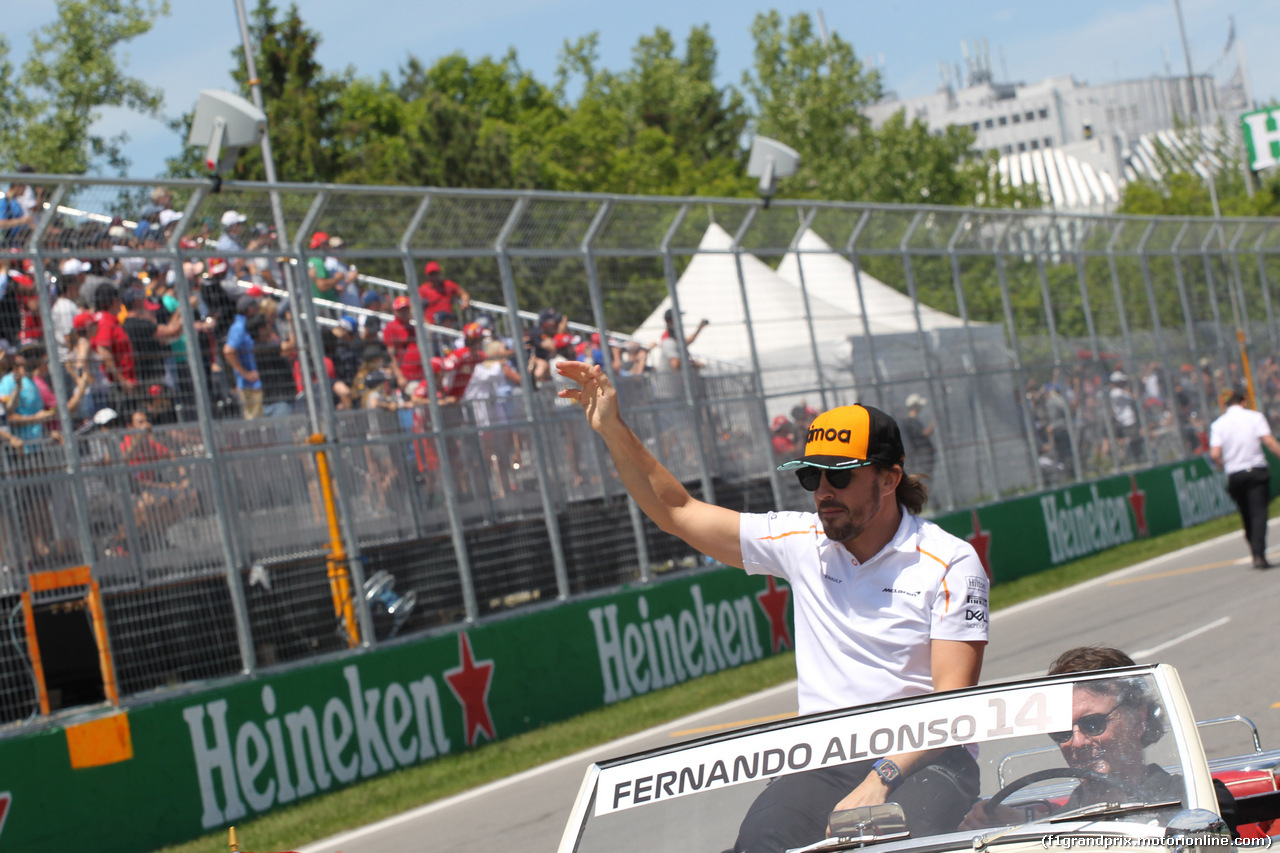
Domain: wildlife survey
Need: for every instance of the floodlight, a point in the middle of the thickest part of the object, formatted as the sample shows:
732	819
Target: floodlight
771	160
224	123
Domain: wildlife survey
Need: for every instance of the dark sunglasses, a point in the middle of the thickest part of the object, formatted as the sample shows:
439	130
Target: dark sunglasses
810	477
1090	725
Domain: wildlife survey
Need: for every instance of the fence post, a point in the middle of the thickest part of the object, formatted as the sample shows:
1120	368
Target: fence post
972	368
761	393
204	413
1122	316
597	315
877	381
1264	285
457	532
550	517
944	443
808	311
361	632
669	270
1006	304
57	372
1157	326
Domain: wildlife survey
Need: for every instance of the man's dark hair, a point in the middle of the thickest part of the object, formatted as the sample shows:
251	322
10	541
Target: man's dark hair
1127	691
1088	659
255	324
132	297
912	491
104	297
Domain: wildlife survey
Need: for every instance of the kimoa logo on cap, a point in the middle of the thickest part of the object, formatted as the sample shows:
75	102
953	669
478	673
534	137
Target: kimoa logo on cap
831	434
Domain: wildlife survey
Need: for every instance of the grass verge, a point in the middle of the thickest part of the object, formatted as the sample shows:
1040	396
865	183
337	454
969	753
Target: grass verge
365	802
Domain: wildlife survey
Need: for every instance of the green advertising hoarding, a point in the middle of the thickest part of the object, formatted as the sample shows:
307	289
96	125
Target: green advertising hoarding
1026	535
183	766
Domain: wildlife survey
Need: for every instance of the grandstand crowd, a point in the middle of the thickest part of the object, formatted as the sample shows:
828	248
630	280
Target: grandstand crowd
121	347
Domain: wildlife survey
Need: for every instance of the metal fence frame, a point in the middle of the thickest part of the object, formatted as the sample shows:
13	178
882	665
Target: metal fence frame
444	532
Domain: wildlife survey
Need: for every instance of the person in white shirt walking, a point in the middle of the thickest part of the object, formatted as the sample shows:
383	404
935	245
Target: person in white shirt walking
887	604
1236	440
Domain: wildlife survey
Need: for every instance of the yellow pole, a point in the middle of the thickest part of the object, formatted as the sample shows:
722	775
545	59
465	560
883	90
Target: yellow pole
339	576
33	652
235	845
108	669
1248	375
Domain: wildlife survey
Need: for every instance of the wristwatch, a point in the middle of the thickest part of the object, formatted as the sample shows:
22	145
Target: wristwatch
888	771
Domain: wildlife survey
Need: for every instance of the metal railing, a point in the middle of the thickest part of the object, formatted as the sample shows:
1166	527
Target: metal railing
222	545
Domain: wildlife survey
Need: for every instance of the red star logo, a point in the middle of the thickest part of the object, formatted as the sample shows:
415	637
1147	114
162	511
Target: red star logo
470	684
1138	503
774	603
981	543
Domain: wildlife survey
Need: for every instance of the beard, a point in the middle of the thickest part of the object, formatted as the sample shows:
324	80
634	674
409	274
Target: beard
855	520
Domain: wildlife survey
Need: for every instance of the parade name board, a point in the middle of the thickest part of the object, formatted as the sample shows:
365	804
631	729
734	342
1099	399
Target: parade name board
828	743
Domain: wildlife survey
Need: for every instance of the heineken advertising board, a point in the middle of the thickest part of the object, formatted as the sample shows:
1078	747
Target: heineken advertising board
1026	535
179	768
175	769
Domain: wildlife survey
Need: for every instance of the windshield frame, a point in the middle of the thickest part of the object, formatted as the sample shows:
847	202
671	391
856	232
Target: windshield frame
1178	719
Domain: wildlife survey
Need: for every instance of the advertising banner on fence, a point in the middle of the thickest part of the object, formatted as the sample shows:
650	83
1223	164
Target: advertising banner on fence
1026	535
213	758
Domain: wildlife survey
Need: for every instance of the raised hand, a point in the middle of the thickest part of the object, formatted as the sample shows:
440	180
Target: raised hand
595	393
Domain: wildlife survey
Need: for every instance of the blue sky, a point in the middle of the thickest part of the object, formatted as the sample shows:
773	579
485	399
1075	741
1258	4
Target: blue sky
1093	40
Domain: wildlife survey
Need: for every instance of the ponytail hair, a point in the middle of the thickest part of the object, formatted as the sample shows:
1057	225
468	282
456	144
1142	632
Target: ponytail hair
912	491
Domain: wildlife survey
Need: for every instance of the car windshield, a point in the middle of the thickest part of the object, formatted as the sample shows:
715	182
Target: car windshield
1097	750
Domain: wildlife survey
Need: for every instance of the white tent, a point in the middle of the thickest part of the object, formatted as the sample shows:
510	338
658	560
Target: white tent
828	277
710	289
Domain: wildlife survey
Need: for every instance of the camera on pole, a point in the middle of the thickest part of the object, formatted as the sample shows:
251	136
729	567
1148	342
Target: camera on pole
225	123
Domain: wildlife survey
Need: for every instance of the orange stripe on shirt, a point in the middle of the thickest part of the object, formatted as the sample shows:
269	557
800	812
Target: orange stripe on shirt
784	535
946	593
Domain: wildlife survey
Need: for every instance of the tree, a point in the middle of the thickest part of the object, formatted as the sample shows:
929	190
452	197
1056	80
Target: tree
71	73
810	93
301	100
661	127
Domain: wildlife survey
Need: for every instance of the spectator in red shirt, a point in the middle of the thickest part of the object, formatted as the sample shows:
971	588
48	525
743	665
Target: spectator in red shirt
465	359
398	334
110	342
32	330
438	293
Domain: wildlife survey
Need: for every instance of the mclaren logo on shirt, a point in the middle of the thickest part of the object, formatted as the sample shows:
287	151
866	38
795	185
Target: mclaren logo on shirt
896	591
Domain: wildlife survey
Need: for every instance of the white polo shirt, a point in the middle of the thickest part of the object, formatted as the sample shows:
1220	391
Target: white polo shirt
1238	432
863	630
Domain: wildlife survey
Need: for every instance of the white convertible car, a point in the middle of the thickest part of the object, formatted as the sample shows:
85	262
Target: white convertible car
1045	776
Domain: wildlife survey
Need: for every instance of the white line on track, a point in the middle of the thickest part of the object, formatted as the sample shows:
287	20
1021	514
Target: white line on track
616	747
1155	650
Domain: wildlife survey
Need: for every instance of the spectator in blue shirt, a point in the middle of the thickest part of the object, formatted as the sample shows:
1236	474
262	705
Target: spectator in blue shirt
21	398
238	352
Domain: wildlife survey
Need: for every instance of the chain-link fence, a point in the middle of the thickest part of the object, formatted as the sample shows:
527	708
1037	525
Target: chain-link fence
221	401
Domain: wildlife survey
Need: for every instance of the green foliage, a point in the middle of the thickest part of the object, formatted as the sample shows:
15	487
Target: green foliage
48	110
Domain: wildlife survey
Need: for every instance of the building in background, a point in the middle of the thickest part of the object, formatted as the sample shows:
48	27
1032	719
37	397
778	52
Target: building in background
1078	143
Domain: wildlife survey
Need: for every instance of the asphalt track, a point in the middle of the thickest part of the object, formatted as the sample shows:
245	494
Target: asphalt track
1203	609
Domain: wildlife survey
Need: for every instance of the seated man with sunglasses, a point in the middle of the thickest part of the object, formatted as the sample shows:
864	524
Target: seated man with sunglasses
1113	722
887	604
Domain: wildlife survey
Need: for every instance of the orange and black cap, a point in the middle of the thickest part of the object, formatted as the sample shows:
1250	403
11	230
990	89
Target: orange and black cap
850	437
